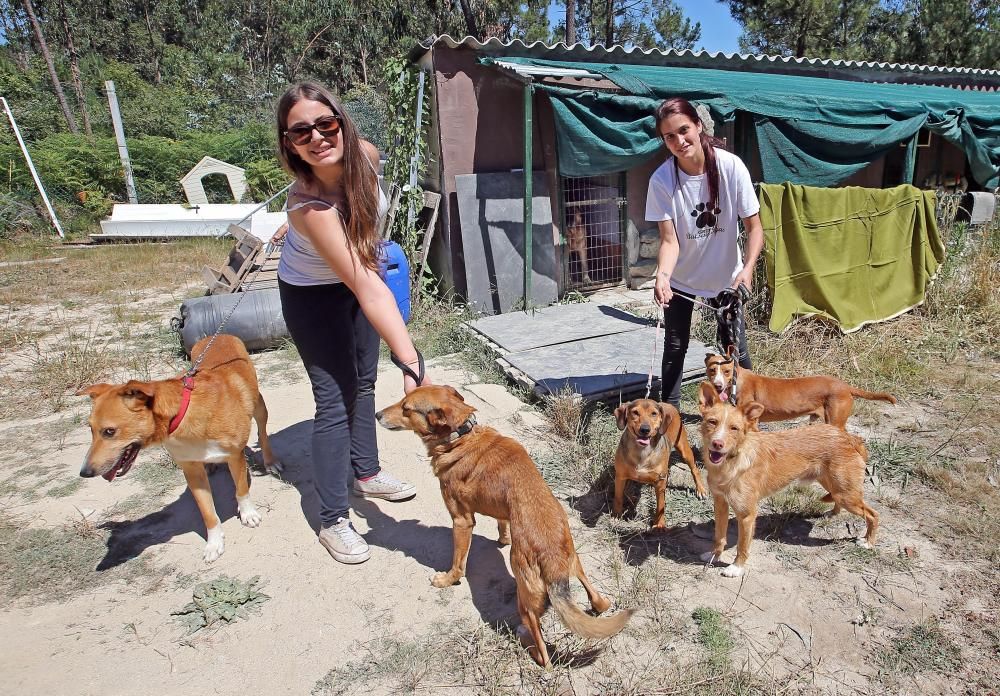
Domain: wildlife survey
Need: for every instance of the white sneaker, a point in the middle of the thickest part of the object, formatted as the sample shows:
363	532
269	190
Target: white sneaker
344	543
386	486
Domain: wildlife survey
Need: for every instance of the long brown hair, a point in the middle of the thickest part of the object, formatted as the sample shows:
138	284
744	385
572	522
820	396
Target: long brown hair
360	180
678	105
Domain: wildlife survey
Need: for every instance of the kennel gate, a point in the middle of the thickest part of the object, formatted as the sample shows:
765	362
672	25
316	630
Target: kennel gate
593	231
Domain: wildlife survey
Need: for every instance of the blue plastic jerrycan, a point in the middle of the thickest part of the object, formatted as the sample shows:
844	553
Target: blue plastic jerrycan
396	271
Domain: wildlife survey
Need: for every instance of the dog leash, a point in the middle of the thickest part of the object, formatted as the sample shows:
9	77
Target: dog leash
652	357
268	248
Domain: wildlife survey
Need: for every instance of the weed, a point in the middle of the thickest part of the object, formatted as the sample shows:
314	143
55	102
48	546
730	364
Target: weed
564	410
66	489
221	600
797	500
159	476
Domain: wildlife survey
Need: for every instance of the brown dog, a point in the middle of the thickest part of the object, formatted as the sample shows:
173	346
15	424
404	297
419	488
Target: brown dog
745	466
482	471
818	396
576	238
213	426
650	429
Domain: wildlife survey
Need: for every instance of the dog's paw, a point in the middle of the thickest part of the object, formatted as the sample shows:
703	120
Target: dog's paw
863	543
732	571
701	494
248	513
442	580
216	545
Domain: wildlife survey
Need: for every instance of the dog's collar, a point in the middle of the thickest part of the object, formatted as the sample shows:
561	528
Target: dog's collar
463	429
175	422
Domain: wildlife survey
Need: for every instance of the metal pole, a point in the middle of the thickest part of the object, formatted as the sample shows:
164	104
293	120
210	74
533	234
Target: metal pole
528	167
31	168
116	120
410	212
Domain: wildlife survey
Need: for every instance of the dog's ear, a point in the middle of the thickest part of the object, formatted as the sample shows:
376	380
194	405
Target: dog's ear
437	418
707	396
621	415
731	352
455	393
753	411
138	395
709	357
667	413
94	390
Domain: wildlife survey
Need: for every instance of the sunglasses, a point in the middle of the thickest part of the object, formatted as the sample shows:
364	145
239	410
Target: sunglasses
327	127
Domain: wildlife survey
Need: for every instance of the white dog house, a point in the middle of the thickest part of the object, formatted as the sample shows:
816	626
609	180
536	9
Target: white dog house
194	190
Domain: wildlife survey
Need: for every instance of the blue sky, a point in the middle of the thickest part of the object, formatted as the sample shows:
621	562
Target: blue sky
719	31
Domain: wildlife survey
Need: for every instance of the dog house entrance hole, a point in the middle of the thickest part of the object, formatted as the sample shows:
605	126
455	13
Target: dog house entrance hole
593	231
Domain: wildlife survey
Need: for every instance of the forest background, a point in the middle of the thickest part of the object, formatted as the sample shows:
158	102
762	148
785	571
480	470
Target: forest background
201	77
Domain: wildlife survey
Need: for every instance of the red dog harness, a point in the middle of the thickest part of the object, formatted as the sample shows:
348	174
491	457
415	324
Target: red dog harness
175	422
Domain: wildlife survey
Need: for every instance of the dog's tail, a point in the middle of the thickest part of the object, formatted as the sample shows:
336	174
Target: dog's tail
873	396
580	623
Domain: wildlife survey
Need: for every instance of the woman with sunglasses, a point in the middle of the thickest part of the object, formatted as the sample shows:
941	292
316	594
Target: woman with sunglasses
336	304
697	198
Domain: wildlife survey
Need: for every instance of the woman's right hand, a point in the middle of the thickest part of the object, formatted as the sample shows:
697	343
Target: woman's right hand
662	294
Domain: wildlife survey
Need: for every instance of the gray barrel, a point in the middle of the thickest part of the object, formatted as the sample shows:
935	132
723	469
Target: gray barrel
257	321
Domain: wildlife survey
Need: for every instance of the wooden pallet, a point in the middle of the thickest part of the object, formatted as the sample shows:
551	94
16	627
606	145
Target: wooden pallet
249	266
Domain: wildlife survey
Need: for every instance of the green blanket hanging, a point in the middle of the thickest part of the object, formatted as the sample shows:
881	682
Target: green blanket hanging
853	255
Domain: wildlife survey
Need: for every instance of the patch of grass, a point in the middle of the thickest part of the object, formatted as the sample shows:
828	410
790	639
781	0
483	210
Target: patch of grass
436	327
66	489
565	413
52	564
111	272
715	635
875	561
159	475
923	647
583	460
797	500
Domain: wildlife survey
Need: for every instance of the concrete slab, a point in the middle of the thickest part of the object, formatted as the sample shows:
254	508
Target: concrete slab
604	365
519	331
491	210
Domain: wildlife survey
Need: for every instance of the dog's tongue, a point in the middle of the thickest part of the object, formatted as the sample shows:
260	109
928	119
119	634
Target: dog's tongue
643	441
724	395
110	476
716	457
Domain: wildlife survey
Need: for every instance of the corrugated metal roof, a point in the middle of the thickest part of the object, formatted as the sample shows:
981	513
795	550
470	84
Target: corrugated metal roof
819	67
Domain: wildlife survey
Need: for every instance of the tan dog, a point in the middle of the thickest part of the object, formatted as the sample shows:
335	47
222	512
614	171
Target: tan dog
745	466
576	238
484	472
650	429
214	427
818	396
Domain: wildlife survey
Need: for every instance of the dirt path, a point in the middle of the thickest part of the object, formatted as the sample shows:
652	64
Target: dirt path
815	614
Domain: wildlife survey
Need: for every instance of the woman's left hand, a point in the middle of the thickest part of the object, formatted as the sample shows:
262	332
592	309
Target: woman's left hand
746	278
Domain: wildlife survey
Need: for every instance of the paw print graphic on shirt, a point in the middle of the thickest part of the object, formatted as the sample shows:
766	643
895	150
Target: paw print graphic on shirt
706	216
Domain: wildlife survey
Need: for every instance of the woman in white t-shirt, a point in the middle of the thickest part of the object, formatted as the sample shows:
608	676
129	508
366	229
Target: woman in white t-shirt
697	198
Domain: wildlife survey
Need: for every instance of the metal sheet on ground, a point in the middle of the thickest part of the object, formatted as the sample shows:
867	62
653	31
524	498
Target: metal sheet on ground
519	331
602	365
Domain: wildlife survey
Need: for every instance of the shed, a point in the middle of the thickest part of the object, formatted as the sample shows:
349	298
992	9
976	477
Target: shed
580	119
195	191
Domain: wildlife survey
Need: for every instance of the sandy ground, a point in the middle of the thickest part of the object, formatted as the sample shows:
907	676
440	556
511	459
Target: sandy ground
809	613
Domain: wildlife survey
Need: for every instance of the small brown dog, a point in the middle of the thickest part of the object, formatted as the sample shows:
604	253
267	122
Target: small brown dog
745	466
817	396
649	430
576	238
211	423
482	471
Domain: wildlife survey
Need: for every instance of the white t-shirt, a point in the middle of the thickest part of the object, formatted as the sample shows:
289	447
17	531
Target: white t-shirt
709	257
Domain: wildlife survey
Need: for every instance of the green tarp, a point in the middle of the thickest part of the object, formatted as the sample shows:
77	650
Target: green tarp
810	130
853	255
